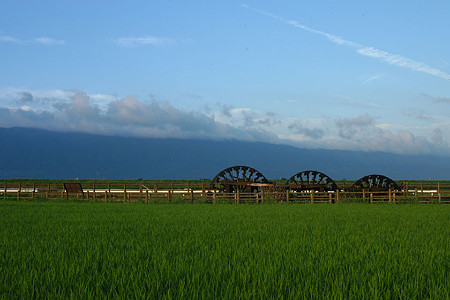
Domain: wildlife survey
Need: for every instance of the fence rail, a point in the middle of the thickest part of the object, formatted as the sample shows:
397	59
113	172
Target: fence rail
414	192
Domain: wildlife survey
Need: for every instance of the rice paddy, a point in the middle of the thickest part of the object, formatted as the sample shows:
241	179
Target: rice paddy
88	249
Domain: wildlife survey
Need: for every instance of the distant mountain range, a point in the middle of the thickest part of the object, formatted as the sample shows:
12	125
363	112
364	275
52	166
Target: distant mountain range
35	153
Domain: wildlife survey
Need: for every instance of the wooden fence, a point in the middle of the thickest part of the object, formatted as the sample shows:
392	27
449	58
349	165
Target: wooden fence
200	193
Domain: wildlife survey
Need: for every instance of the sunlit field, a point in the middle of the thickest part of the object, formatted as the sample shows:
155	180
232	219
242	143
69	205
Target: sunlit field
87	249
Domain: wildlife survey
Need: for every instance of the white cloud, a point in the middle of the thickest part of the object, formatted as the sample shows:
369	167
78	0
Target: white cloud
371	78
240	110
26	108
393	59
146	40
331	37
48	41
102	97
10	39
401	61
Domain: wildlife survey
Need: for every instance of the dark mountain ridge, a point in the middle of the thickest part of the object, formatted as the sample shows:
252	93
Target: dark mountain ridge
35	153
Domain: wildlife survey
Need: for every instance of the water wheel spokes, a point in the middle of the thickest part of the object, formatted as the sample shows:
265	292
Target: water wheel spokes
239	178
311	180
375	182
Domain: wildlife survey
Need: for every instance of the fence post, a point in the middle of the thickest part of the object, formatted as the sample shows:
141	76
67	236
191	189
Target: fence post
337	196
238	197
93	191
393	197
407	189
312	196
106	196
155	188
109	188
390	195
439	197
262	195
214	196
371	198
364	195
34	190
331	197
192	196
19	190
203	189
416	194
287	196
439	188
124	192
140	188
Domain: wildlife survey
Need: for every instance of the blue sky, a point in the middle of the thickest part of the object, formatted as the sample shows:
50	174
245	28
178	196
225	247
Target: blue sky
317	74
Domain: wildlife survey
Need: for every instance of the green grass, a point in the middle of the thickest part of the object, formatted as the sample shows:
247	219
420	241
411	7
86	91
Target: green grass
81	250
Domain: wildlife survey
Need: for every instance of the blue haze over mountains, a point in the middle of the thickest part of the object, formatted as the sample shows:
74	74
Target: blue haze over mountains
35	153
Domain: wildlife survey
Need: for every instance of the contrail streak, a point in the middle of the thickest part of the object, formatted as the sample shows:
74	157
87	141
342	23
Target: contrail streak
393	59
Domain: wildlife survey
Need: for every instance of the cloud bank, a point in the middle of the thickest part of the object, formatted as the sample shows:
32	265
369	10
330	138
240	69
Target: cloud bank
99	114
363	134
126	117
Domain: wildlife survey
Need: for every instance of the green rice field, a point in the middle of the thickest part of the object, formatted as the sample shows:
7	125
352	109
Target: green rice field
55	249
